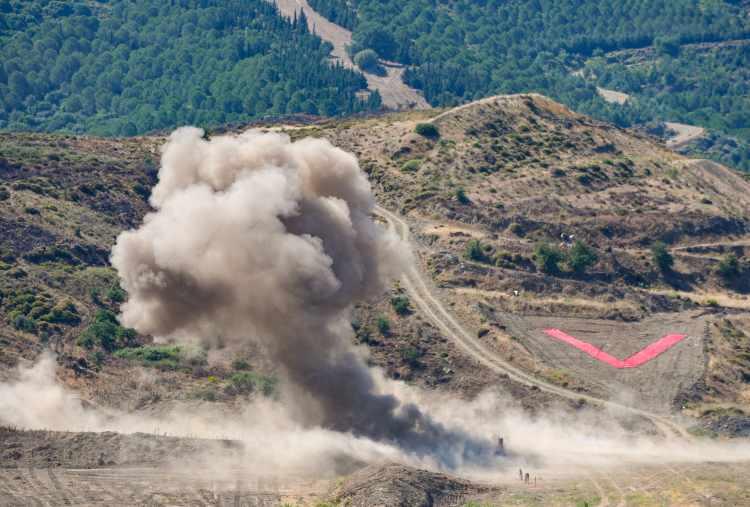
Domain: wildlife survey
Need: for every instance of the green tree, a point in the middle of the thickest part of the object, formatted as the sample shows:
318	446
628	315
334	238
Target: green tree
367	59
661	257
383	325
581	257
428	130
475	251
729	267
548	258
401	305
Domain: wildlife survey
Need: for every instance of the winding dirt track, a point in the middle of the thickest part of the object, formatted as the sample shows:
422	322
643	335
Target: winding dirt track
394	92
423	296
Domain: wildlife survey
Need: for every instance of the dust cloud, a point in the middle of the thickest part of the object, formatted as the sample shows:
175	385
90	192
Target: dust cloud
275	442
255	237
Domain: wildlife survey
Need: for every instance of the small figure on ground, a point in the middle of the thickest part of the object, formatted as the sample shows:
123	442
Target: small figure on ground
500	450
526	478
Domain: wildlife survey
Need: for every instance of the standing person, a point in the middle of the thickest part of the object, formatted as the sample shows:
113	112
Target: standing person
526	478
520	474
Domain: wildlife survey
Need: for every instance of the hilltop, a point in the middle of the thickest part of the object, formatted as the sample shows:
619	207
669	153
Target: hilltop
494	184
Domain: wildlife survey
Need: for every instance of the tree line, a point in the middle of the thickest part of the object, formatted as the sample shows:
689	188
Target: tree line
123	67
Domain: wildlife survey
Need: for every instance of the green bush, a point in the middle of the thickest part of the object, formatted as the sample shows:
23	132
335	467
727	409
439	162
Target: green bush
729	267
661	257
367	59
548	258
581	257
240	364
461	196
107	332
428	130
410	355
401	305
23	323
116	294
412	165
383	325
164	356
247	382
475	251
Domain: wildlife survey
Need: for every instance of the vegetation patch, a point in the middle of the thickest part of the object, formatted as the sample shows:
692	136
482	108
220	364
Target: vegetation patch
166	357
401	305
105	331
247	382
412	165
427	130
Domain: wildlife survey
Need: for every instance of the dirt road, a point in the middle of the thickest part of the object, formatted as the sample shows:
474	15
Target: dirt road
22	487
420	290
612	96
685	134
394	92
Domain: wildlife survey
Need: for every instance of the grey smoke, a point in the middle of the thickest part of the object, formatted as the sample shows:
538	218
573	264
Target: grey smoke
255	237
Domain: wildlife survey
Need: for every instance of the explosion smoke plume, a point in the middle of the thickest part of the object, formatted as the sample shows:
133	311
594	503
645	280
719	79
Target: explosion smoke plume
257	237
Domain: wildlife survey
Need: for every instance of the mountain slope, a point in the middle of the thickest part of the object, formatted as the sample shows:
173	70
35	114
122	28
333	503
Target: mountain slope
121	68
499	185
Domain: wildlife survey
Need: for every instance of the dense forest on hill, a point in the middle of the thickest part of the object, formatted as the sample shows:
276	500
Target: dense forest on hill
120	67
698	85
461	50
130	66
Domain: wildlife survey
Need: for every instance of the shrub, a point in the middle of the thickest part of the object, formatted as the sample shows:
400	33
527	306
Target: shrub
661	257
240	364
107	332
383	325
729	267
142	191
474	251
63	313
164	356
401	305
96	295
667	45
116	294
581	257
367	59
23	323
411	356
247	382
461	196
548	258
517	229
411	165
427	130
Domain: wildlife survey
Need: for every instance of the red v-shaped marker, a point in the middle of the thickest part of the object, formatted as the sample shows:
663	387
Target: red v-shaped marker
637	359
